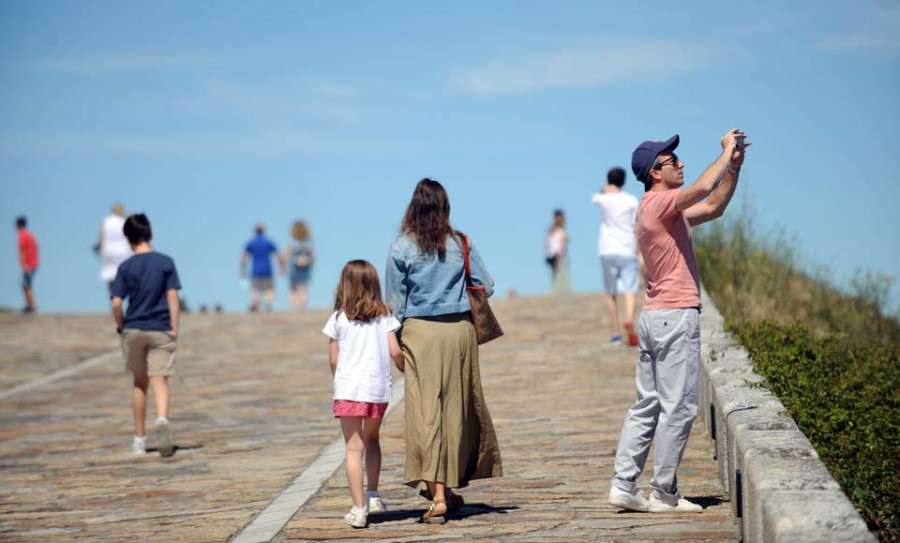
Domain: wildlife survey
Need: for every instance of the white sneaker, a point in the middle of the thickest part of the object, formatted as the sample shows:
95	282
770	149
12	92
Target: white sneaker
357	517
673	504
163	437
139	446
374	503
627	500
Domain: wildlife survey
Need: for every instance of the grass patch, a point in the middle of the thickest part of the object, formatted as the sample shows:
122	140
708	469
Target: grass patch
832	357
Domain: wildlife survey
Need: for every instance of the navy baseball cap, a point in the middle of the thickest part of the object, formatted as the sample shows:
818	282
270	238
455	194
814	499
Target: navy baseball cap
642	158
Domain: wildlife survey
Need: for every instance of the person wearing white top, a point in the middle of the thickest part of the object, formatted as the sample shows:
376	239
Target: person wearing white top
617	248
555	248
362	343
112	246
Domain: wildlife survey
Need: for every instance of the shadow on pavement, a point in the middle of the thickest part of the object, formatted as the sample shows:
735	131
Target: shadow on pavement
466	511
176	449
707	501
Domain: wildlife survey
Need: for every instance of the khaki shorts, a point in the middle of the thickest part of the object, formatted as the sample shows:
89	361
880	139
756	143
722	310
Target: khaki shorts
149	352
262	284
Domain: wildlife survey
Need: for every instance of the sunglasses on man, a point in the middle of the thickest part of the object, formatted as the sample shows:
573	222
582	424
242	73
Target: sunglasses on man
674	162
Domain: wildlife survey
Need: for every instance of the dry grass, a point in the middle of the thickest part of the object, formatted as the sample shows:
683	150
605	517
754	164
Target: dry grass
753	277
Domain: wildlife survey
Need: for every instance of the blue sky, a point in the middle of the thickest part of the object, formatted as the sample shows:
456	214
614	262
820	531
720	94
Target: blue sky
213	116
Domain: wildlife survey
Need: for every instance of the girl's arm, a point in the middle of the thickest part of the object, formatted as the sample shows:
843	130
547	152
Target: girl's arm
396	353
333	355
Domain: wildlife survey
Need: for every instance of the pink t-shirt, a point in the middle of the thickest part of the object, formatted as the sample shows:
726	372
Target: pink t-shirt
664	239
29	250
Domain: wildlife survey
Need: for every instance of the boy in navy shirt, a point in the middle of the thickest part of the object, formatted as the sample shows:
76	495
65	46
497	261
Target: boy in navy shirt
149	329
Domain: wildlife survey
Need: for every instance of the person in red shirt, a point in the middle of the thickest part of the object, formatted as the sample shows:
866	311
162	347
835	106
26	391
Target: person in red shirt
28	260
667	375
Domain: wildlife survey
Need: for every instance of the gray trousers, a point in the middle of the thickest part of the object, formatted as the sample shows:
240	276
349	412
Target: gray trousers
667	381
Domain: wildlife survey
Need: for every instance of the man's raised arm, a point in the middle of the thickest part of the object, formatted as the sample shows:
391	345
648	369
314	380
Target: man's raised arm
715	205
709	179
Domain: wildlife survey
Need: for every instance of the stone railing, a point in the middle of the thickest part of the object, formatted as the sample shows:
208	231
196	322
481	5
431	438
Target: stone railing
779	488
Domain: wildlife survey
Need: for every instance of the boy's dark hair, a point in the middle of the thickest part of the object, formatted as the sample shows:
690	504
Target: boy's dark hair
616	176
137	228
21	221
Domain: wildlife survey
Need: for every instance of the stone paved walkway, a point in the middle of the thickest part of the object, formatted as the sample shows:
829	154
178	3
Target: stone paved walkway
251	411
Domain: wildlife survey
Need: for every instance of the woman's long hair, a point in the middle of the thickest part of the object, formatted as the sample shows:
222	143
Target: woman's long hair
359	292
427	218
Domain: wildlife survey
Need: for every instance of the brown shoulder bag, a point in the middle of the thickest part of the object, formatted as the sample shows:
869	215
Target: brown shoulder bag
487	327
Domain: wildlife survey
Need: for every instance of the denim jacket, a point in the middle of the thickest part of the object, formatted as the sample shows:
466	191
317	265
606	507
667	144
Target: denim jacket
422	285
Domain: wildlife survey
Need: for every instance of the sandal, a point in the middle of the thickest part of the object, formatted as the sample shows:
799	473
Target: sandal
430	517
454	501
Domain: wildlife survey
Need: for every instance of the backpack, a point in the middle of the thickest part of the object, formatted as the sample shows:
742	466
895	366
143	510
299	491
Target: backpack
303	257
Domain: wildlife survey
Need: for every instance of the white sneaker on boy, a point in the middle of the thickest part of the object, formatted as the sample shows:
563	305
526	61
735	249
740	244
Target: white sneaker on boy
633	501
139	446
358	517
673	504
374	502
164	437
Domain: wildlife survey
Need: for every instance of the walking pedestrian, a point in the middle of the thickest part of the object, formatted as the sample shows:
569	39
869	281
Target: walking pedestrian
556	249
149	330
362	343
112	245
669	328
262	281
450	437
617	248
301	256
28	262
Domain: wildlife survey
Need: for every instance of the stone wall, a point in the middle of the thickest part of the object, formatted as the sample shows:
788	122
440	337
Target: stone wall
779	488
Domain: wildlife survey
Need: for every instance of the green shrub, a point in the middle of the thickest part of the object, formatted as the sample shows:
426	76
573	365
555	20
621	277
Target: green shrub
830	356
844	397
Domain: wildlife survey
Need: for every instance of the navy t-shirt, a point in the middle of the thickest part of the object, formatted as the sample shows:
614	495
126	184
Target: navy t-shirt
261	249
143	280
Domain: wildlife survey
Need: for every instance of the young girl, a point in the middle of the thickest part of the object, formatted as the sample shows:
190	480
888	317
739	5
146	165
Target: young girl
363	341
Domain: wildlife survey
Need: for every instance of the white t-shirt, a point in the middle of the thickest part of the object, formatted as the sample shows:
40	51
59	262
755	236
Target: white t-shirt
115	248
554	243
617	230
364	357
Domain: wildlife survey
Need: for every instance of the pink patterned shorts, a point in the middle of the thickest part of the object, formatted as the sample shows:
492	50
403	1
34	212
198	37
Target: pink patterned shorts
369	410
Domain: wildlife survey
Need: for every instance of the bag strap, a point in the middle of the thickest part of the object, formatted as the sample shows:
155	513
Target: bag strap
465	248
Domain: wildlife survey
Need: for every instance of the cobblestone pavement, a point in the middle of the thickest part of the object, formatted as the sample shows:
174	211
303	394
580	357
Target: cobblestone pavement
251	410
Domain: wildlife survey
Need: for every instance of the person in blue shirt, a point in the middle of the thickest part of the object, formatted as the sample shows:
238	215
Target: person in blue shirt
262	282
149	329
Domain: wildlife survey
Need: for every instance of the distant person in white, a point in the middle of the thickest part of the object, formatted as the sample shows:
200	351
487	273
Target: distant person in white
112	246
556	251
618	252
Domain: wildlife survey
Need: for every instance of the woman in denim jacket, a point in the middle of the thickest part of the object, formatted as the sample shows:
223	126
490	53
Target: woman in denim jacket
450	438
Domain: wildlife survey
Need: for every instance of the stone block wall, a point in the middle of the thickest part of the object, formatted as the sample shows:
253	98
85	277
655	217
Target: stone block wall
779	488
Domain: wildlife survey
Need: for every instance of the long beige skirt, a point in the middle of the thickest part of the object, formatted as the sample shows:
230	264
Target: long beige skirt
450	438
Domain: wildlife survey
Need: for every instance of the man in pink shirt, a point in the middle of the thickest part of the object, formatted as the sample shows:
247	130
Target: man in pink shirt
669	328
28	261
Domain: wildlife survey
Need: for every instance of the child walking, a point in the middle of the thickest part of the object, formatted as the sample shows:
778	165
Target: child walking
363	342
149	281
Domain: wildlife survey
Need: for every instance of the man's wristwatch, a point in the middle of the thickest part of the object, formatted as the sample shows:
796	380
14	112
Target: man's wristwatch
734	170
